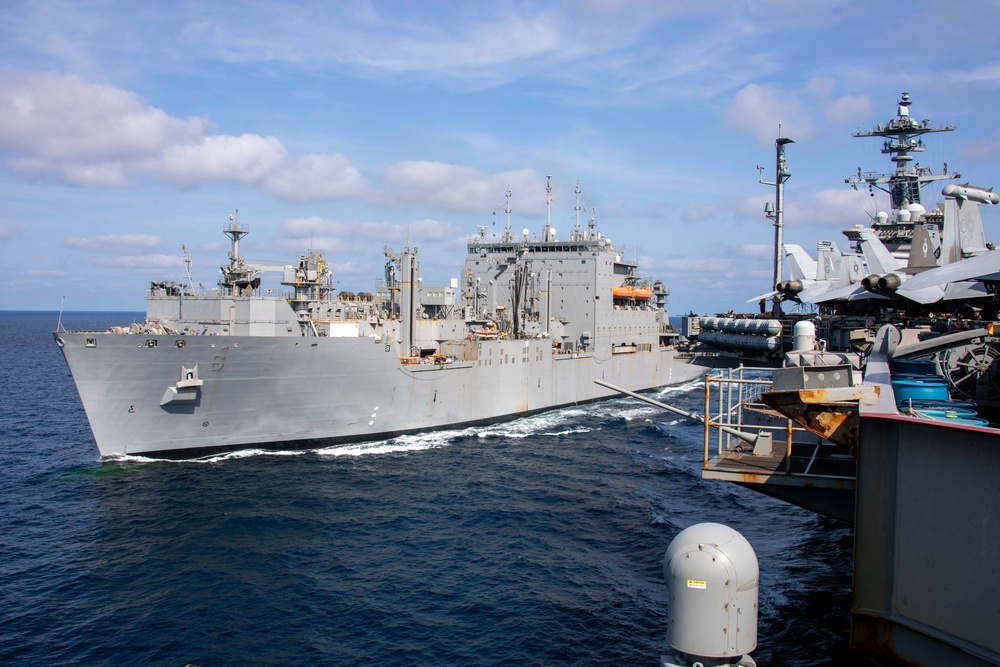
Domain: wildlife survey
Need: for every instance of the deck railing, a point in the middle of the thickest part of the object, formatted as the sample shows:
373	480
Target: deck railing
734	391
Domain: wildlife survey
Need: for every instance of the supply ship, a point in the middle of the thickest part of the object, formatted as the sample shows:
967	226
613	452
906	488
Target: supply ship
528	326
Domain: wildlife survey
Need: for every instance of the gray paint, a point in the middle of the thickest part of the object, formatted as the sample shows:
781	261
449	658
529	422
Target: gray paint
335	369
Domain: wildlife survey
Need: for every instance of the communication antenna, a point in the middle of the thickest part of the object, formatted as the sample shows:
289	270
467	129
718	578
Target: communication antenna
576	225
776	211
508	236
548	208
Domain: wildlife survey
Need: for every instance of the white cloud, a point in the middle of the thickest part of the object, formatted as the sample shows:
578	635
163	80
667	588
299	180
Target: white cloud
760	108
316	178
61	127
461	189
247	158
418	230
60	116
115	242
838	110
57	125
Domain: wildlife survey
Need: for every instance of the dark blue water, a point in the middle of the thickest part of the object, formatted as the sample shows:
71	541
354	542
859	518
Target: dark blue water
537	542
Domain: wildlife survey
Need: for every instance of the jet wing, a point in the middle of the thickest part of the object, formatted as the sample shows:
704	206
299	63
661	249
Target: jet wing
809	295
965	290
924	295
865	295
766	295
839	294
981	267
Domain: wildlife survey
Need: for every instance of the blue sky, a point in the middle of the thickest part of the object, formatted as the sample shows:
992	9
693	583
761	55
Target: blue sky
131	129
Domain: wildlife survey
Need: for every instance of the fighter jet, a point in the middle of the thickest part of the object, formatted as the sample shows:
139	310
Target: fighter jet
811	278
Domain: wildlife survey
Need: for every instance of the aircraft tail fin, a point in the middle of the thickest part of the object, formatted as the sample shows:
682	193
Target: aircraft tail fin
877	256
800	265
925	250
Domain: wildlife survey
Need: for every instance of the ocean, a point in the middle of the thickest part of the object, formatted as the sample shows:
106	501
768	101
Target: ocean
534	542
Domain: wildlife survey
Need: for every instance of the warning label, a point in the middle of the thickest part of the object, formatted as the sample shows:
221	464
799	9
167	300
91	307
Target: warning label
694	583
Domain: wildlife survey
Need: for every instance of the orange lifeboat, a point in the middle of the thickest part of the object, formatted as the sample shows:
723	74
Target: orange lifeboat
642	294
623	292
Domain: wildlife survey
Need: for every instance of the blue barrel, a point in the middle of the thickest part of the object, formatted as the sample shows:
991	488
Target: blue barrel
923	404
949	417
917	376
947	414
933	388
912	366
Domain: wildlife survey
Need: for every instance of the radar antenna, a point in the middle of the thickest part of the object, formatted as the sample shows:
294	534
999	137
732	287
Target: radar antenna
904	185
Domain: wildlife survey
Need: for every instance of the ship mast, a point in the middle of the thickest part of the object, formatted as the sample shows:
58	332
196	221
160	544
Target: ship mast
237	275
904	185
547	234
508	236
186	257
576	225
776	211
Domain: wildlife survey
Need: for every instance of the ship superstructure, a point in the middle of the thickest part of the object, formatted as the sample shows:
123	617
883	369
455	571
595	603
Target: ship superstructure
528	326
902	138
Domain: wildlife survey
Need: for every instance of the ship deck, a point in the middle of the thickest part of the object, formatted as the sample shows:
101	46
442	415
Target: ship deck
795	466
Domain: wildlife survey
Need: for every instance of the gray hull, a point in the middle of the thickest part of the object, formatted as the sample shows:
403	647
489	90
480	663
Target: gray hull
289	392
527	326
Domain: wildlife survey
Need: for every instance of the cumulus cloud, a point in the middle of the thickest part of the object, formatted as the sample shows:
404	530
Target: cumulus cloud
60	116
759	108
462	189
316	178
61	127
244	159
115	242
337	231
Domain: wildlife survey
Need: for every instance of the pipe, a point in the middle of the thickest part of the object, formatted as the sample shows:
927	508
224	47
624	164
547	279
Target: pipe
749	438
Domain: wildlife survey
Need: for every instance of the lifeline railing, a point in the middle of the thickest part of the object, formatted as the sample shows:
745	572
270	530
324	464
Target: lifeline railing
736	391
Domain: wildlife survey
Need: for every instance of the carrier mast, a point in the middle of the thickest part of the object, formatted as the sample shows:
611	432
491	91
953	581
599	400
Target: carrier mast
776	211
